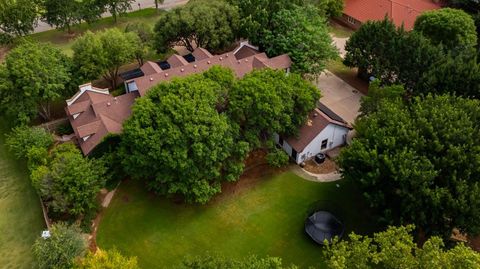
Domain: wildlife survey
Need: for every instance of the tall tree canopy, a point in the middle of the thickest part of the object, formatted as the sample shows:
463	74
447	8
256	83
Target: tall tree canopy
69	183
33	76
18	17
453	28
395	248
189	135
419	163
116	7
64	14
179	142
265	102
210	24
256	16
302	34
104	53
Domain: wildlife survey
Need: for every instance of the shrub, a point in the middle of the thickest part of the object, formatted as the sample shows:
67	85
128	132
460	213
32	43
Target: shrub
107	259
23	138
277	158
60	250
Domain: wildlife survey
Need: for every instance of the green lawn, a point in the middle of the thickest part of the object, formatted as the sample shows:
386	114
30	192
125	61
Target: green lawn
265	219
21	219
63	41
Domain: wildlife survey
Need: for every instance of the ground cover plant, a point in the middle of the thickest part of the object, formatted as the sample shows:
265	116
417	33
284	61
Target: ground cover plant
262	216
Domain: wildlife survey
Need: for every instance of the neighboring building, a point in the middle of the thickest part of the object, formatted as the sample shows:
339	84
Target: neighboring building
323	131
94	112
401	12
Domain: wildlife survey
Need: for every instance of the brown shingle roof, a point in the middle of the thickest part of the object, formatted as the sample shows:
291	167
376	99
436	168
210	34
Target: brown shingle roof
150	68
105	114
239	67
201	54
317	121
176	61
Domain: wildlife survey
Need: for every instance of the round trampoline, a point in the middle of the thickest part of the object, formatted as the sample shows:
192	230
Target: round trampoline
323	225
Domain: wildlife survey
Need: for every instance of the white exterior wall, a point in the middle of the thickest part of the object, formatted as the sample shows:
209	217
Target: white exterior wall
336	136
286	147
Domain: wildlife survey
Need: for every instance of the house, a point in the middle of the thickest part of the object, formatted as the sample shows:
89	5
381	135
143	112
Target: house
94	113
401	12
323	131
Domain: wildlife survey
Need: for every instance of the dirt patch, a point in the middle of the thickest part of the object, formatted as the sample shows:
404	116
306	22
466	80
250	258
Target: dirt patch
326	167
3	53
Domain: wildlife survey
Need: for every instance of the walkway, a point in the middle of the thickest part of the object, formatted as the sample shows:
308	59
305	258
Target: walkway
138	4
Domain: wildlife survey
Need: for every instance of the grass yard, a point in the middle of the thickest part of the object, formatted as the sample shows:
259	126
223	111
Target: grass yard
63	41
21	218
264	218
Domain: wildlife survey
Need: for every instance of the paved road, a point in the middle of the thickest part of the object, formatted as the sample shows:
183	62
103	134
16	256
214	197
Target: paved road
340	43
168	4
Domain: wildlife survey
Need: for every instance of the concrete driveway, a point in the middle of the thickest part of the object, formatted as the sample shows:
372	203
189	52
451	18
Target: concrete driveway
339	96
340	43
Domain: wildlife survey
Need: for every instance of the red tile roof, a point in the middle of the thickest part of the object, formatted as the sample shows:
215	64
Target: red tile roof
400	11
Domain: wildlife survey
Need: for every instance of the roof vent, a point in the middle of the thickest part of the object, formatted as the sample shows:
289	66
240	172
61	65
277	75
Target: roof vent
239	61
221	58
151	79
226	55
208	62
315	114
115	99
194	66
246	60
182	70
166	74
109	104
309	123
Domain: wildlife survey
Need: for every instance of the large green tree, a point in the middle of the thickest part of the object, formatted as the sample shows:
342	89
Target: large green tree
302	34
395	249
268	101
256	16
69	183
59	251
104	53
117	7
393	55
179	142
419	163
64	14
34	75
18	17
210	24
453	28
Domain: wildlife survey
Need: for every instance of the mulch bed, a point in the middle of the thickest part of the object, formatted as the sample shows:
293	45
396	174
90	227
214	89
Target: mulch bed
326	167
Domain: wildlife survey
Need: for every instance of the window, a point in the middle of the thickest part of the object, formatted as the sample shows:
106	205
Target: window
280	140
324	144
351	20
